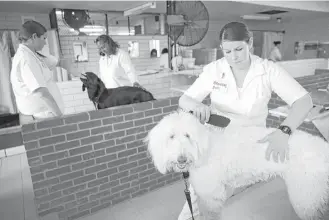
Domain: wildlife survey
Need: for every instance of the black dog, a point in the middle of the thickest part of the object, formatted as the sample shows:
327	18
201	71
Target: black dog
105	98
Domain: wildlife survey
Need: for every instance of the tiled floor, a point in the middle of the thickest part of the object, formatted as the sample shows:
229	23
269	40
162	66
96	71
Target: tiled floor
16	195
261	202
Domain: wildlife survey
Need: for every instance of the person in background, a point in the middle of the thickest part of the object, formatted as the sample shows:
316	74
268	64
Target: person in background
154	53
164	60
240	86
115	66
37	95
275	54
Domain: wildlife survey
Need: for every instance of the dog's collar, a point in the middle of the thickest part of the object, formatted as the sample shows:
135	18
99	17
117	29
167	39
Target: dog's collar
96	100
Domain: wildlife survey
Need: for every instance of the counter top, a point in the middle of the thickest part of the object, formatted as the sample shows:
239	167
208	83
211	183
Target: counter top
193	72
180	88
284	111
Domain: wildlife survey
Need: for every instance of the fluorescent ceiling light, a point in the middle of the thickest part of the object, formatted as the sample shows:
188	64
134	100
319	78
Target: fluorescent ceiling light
91	30
139	9
88	28
256	17
93	34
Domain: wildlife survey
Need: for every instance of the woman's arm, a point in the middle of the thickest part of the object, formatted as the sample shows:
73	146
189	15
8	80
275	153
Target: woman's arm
192	99
127	65
48	100
289	90
35	82
298	112
67	64
187	103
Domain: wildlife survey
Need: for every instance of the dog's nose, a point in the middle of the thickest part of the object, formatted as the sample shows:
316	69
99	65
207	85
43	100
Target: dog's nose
181	159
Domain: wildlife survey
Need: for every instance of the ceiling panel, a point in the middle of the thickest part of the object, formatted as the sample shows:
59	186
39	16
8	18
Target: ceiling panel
218	10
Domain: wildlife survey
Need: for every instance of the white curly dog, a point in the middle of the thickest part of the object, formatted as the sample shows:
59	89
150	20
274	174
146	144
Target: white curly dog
217	159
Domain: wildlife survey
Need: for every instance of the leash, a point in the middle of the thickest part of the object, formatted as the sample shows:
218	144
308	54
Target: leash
187	192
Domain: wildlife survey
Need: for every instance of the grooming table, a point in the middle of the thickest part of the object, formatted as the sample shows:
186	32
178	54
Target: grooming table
263	201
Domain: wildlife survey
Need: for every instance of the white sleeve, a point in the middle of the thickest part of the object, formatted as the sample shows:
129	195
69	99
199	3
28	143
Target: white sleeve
100	63
278	55
33	79
51	61
202	86
283	84
127	65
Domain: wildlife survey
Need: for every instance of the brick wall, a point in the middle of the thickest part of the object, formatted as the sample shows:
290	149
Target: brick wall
89	161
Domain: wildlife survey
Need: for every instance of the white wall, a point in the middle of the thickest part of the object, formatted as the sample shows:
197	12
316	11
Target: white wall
299	68
13	20
143	62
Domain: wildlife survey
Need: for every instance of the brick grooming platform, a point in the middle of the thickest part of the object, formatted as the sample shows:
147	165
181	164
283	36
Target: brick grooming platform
89	161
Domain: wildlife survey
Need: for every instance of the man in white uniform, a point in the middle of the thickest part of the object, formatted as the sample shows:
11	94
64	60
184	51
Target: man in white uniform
275	54
240	86
115	66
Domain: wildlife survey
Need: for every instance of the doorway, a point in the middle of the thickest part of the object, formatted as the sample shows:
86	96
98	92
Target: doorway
258	37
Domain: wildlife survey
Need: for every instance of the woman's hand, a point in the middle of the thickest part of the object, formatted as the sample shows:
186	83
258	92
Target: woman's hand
202	112
278	145
68	65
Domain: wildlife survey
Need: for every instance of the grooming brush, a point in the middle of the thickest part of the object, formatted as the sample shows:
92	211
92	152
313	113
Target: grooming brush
217	120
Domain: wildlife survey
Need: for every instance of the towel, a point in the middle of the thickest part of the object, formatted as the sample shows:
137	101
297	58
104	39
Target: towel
7	99
320	121
322	124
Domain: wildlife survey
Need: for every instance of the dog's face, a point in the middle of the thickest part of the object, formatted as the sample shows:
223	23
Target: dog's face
176	142
93	84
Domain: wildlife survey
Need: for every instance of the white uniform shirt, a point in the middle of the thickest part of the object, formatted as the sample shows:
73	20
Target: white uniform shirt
275	55
164	60
117	70
247	104
30	72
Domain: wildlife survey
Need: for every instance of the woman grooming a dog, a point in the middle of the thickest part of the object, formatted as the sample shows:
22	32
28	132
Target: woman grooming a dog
240	86
115	66
37	95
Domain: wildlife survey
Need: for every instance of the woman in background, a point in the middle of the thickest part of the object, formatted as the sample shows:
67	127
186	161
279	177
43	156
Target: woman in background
275	54
37	95
115	66
164	60
154	53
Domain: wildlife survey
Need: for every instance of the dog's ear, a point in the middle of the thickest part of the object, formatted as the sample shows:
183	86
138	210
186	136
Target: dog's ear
156	145
84	82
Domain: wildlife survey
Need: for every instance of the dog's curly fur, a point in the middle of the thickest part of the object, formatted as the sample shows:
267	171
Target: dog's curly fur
105	98
232	157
